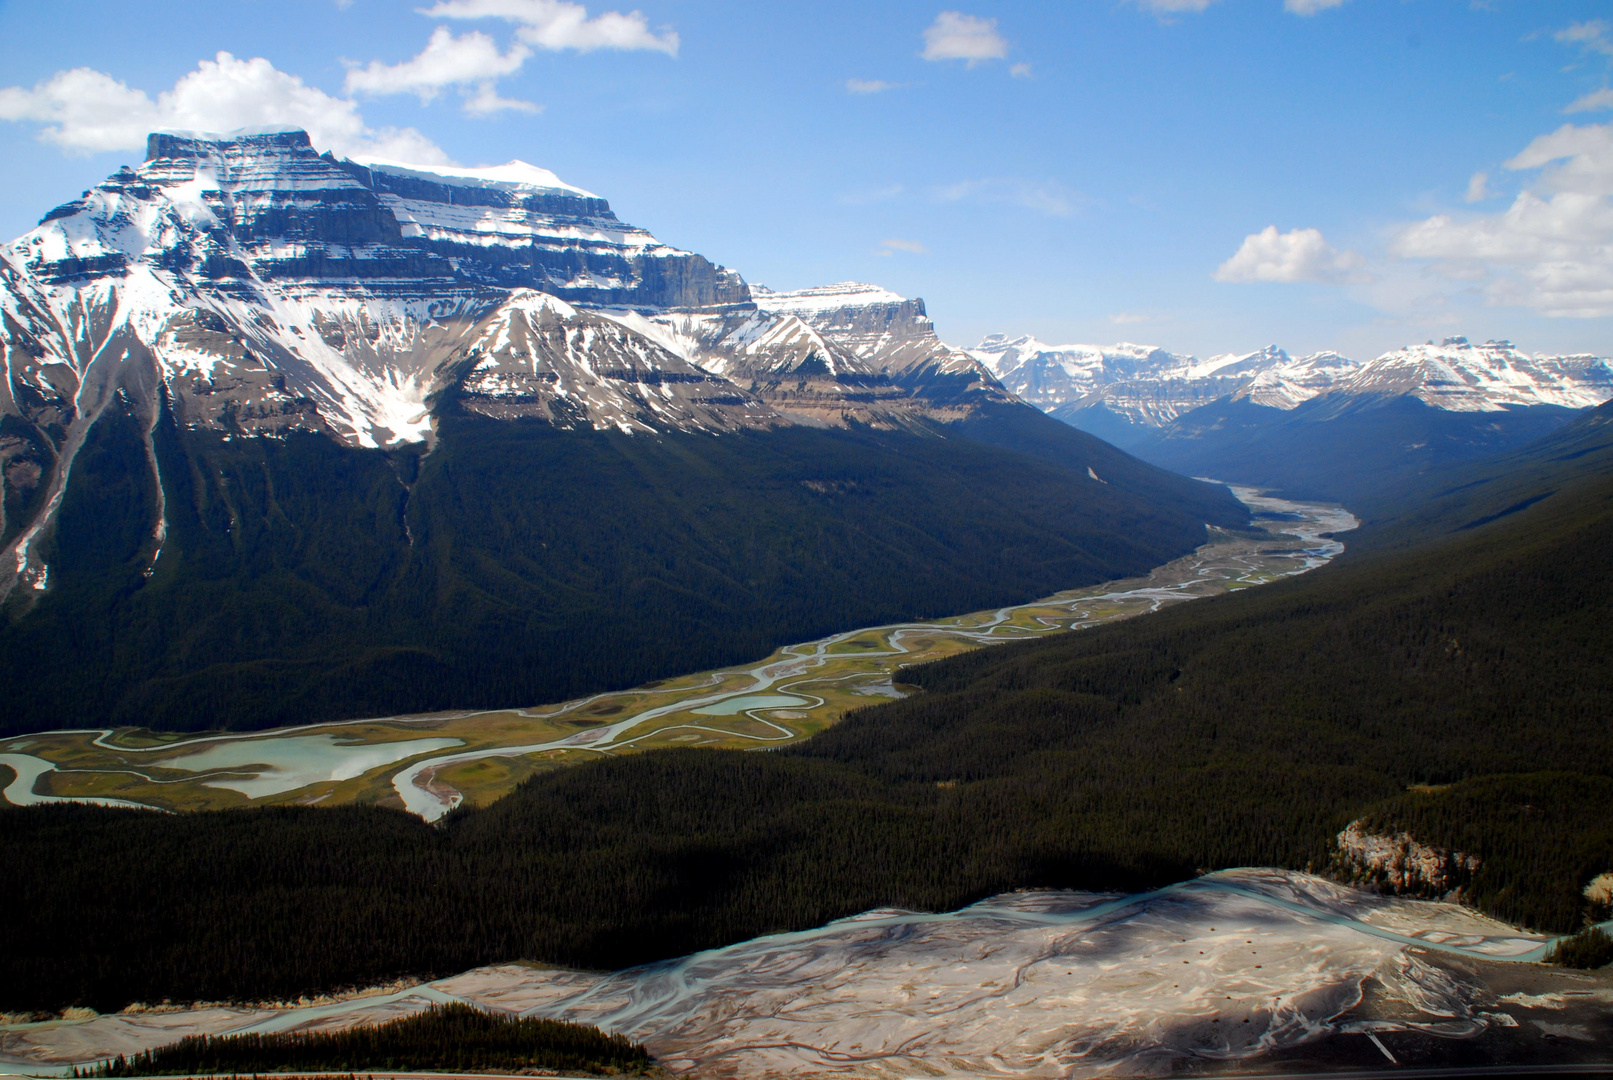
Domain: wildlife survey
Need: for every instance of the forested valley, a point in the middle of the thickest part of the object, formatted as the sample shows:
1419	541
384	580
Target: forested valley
1447	678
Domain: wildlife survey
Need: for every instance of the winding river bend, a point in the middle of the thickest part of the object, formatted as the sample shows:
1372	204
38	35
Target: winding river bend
1299	538
430	764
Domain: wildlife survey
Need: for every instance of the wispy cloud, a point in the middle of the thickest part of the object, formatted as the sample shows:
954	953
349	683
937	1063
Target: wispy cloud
1166	8
486	102
1309	7
912	247
557	24
472	62
869	86
1595	101
471	59
1130	318
872	195
956	36
1552	249
1020	71
1478	188
1592	35
1043	196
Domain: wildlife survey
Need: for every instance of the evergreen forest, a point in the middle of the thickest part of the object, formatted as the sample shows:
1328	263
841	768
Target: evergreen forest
1446	677
444	1038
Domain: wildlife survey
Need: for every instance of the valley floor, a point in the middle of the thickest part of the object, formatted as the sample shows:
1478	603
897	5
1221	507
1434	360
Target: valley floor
480	756
1235	970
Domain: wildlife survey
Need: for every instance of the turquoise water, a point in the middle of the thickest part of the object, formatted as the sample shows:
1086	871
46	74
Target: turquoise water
272	766
734	706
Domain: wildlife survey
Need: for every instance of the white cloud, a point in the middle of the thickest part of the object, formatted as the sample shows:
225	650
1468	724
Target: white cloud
868	86
1020	71
912	247
1309	7
956	36
86	111
557	24
1595	101
1585	154
1297	255
1478	188
1129	318
1045	196
1552	249
471	59
1592	35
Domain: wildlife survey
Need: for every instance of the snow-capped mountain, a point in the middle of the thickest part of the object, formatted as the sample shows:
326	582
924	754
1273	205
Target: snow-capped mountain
885	331
894	337
1149	386
1152	387
1462	377
538	356
271	288
1054	375
247	285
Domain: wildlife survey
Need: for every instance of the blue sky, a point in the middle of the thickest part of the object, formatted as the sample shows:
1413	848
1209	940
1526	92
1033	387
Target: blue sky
1206	175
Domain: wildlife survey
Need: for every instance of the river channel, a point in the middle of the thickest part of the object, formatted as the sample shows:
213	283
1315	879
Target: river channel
430	764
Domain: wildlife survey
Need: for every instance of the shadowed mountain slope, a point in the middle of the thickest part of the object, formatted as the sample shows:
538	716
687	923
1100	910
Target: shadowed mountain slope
1347	448
299	579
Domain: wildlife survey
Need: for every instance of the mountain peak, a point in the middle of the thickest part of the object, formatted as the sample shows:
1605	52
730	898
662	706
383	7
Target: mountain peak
180	143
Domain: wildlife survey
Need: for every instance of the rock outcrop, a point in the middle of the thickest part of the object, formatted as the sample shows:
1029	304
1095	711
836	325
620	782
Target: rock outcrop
1400	864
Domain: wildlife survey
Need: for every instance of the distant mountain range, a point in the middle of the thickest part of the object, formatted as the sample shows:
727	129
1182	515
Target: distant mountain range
1320	425
285	437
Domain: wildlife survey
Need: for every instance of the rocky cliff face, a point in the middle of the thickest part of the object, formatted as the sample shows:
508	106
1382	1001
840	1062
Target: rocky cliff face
1400	864
267	207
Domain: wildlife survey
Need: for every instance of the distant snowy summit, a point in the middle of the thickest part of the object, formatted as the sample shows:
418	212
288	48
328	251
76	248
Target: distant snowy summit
1144	385
1463	377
